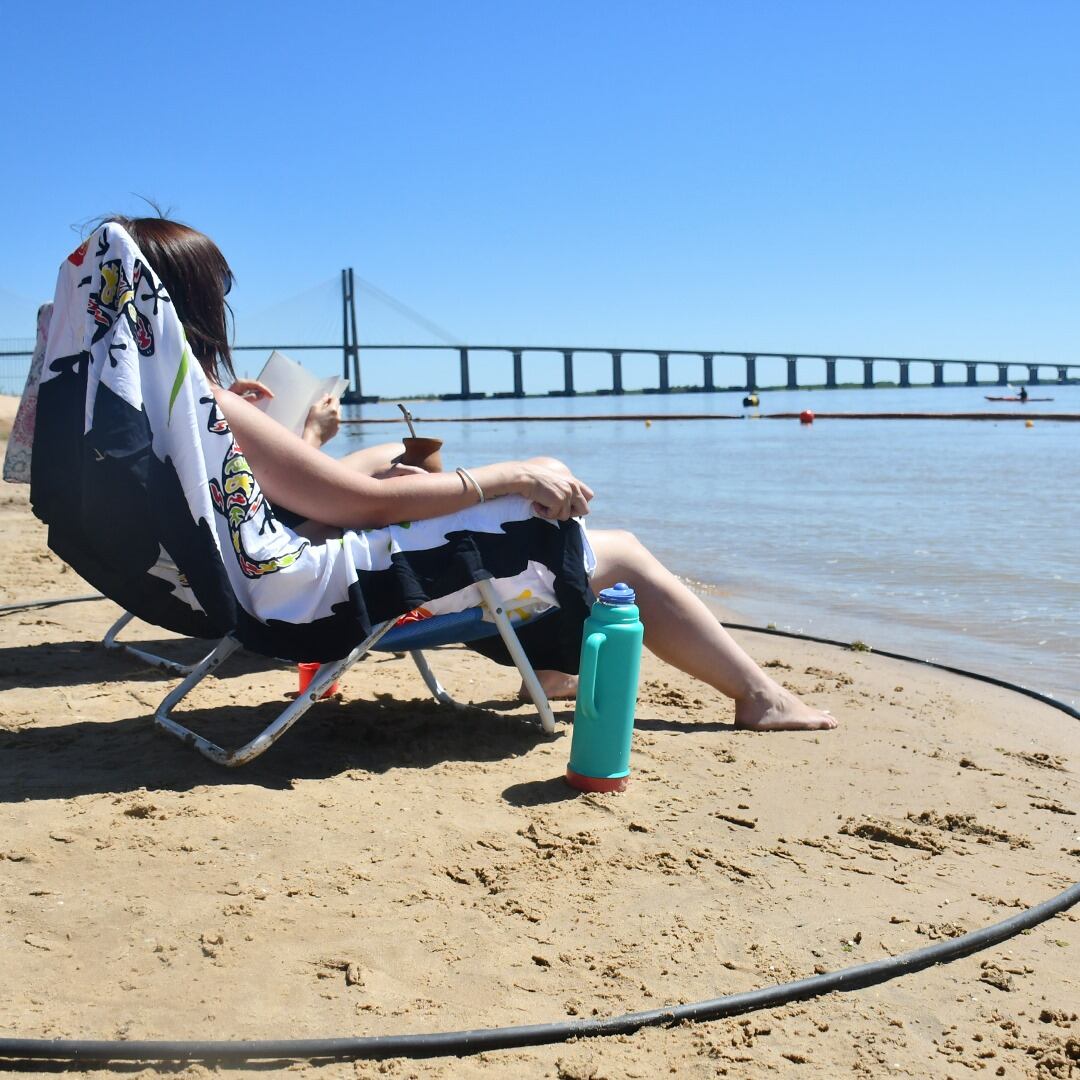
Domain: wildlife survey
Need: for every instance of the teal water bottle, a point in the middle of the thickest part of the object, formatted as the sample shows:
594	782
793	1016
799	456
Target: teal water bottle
607	693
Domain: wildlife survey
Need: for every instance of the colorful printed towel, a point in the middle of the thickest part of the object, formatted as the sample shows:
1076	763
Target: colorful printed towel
21	439
148	496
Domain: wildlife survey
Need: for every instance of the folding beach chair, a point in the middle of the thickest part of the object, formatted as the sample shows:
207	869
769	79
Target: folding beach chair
147	495
462	627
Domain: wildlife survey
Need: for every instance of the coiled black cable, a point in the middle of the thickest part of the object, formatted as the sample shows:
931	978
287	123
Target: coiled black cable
48	601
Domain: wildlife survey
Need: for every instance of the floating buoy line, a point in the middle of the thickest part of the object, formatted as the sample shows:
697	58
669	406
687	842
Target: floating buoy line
655	417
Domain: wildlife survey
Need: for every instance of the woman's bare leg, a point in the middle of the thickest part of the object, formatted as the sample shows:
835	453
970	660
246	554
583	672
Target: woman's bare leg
680	629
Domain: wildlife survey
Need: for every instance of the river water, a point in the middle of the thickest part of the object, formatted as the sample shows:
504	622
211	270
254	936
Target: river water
954	541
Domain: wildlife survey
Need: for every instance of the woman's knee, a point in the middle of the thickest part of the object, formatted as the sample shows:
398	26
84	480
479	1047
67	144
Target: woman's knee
617	551
551	463
624	540
374	459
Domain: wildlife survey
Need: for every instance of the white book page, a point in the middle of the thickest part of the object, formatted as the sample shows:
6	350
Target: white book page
295	390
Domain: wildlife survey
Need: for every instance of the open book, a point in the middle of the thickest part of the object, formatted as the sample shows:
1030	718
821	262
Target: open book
295	390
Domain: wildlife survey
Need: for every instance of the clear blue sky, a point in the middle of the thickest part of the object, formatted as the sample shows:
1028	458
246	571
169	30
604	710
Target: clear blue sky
891	178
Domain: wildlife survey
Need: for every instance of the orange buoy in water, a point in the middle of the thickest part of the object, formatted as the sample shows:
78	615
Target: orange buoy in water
806	417
1029	423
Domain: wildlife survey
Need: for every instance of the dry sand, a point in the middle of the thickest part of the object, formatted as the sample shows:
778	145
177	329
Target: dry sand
392	867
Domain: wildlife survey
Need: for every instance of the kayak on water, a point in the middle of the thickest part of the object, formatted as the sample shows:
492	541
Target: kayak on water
1016	397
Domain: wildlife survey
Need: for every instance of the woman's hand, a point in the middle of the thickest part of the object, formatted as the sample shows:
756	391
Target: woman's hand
323	421
555	493
251	390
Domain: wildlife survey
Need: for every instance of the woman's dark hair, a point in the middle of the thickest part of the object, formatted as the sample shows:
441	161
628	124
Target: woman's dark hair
197	277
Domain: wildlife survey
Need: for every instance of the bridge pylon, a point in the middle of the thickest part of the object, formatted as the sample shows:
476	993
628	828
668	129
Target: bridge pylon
350	342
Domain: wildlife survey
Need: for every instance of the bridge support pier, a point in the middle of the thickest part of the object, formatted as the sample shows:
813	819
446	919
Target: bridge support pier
830	372
707	371
463	361
665	385
868	374
905	373
939	374
1003	374
971	380
792	372
751	372
568	372
1063	375
616	373
519	378
1033	374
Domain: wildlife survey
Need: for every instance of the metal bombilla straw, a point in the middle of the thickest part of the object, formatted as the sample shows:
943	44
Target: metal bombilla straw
408	419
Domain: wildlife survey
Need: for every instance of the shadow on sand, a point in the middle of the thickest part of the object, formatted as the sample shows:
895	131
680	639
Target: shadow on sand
85	757
87	663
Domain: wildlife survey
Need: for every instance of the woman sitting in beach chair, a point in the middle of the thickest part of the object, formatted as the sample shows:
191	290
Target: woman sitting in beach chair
334	501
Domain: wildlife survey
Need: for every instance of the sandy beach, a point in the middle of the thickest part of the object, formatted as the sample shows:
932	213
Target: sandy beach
394	867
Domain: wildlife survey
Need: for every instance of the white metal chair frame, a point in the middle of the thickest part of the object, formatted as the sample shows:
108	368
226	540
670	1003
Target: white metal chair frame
323	678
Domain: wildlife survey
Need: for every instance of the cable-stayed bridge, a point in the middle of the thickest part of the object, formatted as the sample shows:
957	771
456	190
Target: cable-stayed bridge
694	370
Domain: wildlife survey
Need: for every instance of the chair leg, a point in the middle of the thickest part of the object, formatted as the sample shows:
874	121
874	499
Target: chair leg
322	679
510	639
109	642
438	692
223	650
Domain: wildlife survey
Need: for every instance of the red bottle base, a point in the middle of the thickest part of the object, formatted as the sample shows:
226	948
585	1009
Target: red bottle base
596	783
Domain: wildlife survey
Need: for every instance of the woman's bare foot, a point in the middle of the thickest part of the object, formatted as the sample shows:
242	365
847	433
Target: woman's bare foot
777	709
556	684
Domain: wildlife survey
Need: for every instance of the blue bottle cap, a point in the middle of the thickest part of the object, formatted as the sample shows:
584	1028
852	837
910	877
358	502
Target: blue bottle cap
619	593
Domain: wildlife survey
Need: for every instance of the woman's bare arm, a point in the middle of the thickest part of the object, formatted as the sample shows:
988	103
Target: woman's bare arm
296	475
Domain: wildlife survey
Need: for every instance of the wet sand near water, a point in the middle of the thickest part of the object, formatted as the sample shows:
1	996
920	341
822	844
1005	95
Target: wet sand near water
392	867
